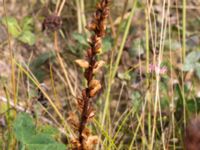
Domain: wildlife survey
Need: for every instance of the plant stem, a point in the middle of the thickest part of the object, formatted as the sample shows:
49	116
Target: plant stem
183	59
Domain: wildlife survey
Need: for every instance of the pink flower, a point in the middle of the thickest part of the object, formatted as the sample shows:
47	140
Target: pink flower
157	69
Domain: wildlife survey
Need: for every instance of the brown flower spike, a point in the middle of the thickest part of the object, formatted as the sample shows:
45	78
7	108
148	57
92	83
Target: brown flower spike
85	141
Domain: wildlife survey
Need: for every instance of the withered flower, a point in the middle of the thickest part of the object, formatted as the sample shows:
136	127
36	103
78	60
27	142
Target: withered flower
52	22
85	141
98	66
95	90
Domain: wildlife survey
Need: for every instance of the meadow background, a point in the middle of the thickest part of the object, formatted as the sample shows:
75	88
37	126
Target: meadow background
151	79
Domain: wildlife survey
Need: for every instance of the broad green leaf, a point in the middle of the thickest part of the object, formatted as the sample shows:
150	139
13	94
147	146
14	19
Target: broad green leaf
40	139
47	129
25	132
13	26
50	146
23	127
44	142
27	37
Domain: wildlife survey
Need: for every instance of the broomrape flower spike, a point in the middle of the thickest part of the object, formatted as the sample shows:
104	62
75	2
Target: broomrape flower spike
84	139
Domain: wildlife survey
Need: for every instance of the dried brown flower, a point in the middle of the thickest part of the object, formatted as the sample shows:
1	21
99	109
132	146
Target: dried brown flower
52	22
95	90
98	66
85	141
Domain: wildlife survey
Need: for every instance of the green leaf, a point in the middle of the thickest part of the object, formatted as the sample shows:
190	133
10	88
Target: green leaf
44	142
25	132
39	74
136	100
72	49
193	57
21	146
193	105
164	103
49	146
37	64
191	60
12	25
188	66
47	129
23	127
80	38
40	60
124	76
27	37
40	139
27	24
107	45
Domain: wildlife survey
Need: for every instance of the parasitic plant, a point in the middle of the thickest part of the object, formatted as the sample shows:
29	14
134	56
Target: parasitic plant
97	27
